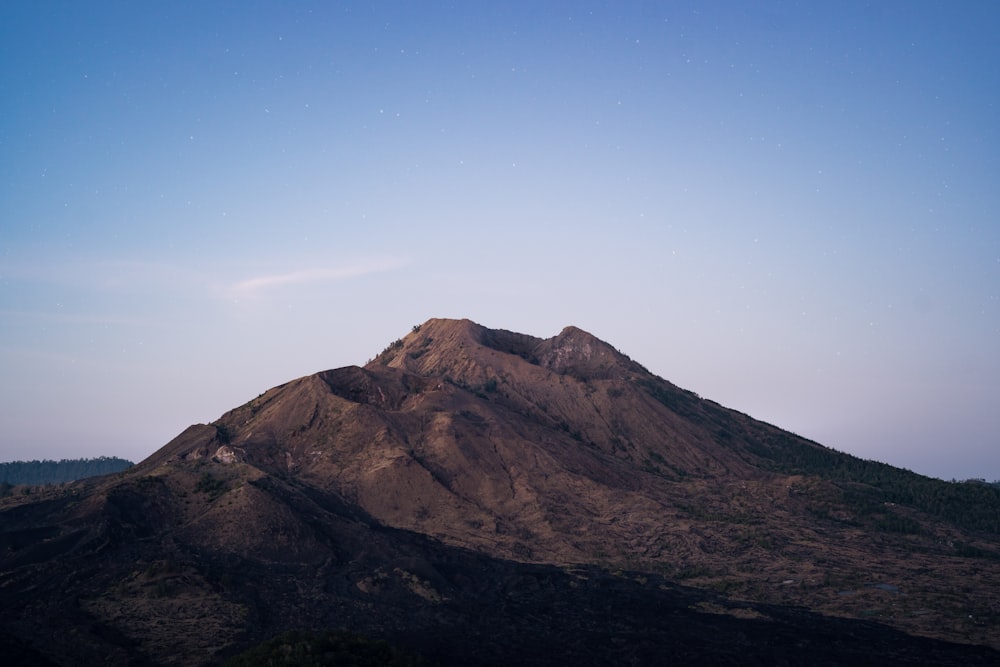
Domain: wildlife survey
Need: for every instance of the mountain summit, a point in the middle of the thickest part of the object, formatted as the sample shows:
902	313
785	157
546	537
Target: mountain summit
554	450
362	495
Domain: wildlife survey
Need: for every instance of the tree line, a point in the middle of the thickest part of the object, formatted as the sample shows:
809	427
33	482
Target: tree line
33	473
972	504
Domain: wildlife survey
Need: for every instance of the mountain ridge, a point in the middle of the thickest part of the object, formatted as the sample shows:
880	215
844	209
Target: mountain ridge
365	492
565	450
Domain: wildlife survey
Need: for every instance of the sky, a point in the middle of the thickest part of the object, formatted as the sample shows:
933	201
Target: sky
791	208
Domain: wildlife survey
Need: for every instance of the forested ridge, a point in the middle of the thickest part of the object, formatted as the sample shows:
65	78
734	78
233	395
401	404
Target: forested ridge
869	485
31	473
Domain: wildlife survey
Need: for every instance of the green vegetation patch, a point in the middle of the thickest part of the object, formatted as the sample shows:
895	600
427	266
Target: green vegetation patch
210	485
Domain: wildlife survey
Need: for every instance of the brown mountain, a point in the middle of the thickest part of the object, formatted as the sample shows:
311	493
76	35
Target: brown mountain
487	497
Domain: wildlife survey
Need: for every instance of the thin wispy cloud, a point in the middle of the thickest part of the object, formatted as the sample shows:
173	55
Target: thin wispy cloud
263	283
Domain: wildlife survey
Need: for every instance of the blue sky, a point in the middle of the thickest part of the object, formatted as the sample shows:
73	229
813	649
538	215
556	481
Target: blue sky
790	208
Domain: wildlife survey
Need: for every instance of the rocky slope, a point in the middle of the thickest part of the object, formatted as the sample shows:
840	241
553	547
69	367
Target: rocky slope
469	487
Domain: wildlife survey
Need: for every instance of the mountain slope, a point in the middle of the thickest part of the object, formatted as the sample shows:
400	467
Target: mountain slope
468	478
564	450
188	566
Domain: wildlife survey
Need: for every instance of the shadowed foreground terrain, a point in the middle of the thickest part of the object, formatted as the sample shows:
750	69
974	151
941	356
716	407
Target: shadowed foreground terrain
478	496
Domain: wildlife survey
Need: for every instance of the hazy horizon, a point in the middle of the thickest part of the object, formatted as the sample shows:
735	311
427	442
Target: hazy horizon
790	210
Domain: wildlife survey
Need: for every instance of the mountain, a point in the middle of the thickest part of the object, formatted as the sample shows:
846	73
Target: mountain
487	497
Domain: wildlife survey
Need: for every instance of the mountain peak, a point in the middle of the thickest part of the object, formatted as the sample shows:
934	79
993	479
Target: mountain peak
577	352
448	326
449	347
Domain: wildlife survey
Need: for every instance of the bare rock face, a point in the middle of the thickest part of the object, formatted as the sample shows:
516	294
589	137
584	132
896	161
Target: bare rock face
361	496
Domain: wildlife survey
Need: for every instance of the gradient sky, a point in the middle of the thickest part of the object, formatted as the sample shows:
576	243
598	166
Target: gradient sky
792	208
